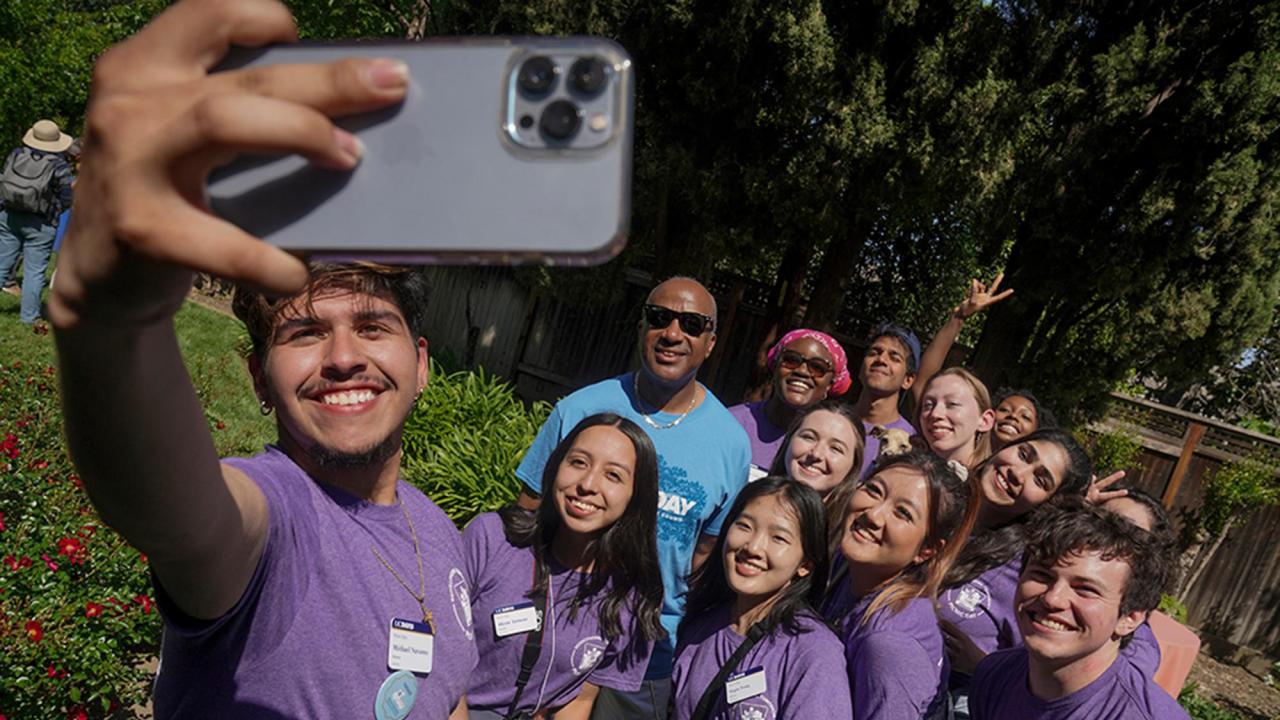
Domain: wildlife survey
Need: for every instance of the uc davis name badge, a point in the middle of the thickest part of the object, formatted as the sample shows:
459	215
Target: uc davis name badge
515	619
744	685
410	646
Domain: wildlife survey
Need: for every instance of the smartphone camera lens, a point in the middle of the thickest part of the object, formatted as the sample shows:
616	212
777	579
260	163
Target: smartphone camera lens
587	76
537	75
560	120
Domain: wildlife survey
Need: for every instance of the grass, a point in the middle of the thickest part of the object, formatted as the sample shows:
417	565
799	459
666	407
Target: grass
210	344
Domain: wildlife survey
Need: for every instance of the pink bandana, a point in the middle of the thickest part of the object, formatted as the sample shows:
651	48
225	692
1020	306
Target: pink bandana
842	381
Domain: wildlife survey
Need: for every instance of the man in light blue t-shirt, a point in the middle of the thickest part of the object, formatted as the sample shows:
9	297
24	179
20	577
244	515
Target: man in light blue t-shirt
703	456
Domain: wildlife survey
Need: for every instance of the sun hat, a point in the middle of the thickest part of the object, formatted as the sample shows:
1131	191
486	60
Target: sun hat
45	135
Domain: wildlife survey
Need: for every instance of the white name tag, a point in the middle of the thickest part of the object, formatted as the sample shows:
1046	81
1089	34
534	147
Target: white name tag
410	646
744	685
515	619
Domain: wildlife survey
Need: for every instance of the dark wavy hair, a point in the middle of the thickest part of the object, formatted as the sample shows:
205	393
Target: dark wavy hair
998	545
1161	526
951	515
406	288
838	497
709	588
1044	416
1071	525
625	555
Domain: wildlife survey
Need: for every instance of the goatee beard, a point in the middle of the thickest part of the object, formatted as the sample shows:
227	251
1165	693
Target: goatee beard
332	459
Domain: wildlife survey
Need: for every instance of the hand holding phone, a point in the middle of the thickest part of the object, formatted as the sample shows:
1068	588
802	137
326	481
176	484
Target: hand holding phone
503	150
156	126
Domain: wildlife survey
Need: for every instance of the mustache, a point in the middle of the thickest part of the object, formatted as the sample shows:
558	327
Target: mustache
322	386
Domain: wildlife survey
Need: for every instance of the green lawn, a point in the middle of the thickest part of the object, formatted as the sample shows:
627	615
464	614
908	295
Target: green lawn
209	342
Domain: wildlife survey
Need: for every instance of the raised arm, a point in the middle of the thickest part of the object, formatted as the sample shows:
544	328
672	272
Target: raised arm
977	298
156	125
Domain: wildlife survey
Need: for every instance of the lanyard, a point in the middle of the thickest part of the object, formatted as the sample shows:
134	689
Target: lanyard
712	693
533	641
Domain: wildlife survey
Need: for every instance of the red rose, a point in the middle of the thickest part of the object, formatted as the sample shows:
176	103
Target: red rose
1	522
24	562
92	610
35	633
11	561
73	549
75	480
75	712
56	674
145	602
53	566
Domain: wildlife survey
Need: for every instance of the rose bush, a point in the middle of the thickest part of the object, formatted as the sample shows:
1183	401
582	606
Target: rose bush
78	623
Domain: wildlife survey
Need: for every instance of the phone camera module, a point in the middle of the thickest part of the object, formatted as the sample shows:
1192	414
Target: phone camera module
560	120
587	76
537	75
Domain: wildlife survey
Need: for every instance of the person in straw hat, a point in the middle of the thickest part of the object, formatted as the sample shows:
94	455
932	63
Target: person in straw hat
35	187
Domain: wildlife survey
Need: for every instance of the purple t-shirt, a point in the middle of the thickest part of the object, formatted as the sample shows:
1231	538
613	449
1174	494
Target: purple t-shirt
871	450
983	608
309	637
574	651
801	672
1000	691
766	438
897	661
1143	651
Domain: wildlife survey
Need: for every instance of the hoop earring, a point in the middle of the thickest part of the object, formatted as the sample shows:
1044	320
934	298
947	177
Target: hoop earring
264	407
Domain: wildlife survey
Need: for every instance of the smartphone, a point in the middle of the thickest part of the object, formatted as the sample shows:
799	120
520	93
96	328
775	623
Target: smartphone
505	150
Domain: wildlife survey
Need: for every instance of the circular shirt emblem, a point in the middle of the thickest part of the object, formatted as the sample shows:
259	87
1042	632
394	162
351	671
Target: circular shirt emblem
756	708
969	600
587	654
460	597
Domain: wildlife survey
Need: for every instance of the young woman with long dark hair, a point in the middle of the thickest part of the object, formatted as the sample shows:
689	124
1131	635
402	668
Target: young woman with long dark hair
751	643
903	528
976	607
567	598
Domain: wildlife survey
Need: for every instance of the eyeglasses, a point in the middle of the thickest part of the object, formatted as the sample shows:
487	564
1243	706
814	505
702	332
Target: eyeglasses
791	360
691	323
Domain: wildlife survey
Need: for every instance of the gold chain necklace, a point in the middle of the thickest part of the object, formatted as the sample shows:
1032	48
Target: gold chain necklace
421	595
635	382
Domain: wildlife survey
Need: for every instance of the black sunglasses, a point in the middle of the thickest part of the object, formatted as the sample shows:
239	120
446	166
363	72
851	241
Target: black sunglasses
691	323
791	360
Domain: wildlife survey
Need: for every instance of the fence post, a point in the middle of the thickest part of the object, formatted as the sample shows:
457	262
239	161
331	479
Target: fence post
1190	441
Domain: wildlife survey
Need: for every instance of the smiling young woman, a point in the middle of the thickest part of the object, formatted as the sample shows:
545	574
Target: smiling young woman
579	575
956	418
752	644
903	528
806	367
823	449
976	608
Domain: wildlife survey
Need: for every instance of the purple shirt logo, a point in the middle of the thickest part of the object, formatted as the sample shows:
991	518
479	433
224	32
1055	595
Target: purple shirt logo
460	597
587	654
756	708
968	600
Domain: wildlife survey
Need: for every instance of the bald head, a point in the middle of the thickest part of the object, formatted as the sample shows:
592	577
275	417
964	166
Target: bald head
701	300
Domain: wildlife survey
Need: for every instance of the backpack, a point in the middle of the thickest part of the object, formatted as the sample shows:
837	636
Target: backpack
26	181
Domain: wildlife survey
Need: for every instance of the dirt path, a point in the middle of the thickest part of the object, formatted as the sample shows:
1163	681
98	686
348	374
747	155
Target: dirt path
1235	688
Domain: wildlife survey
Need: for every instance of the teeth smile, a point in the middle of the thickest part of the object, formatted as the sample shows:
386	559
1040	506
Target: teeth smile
1053	624
582	505
350	397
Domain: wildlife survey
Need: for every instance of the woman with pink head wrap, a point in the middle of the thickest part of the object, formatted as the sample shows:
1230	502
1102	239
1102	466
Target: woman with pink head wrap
807	367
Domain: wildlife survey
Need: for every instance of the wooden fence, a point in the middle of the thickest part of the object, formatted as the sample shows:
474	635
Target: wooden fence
485	317
1237	598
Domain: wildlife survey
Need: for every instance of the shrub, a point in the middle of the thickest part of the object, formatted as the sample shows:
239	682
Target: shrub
1237	488
77	622
1171	606
464	440
1112	450
1200	708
